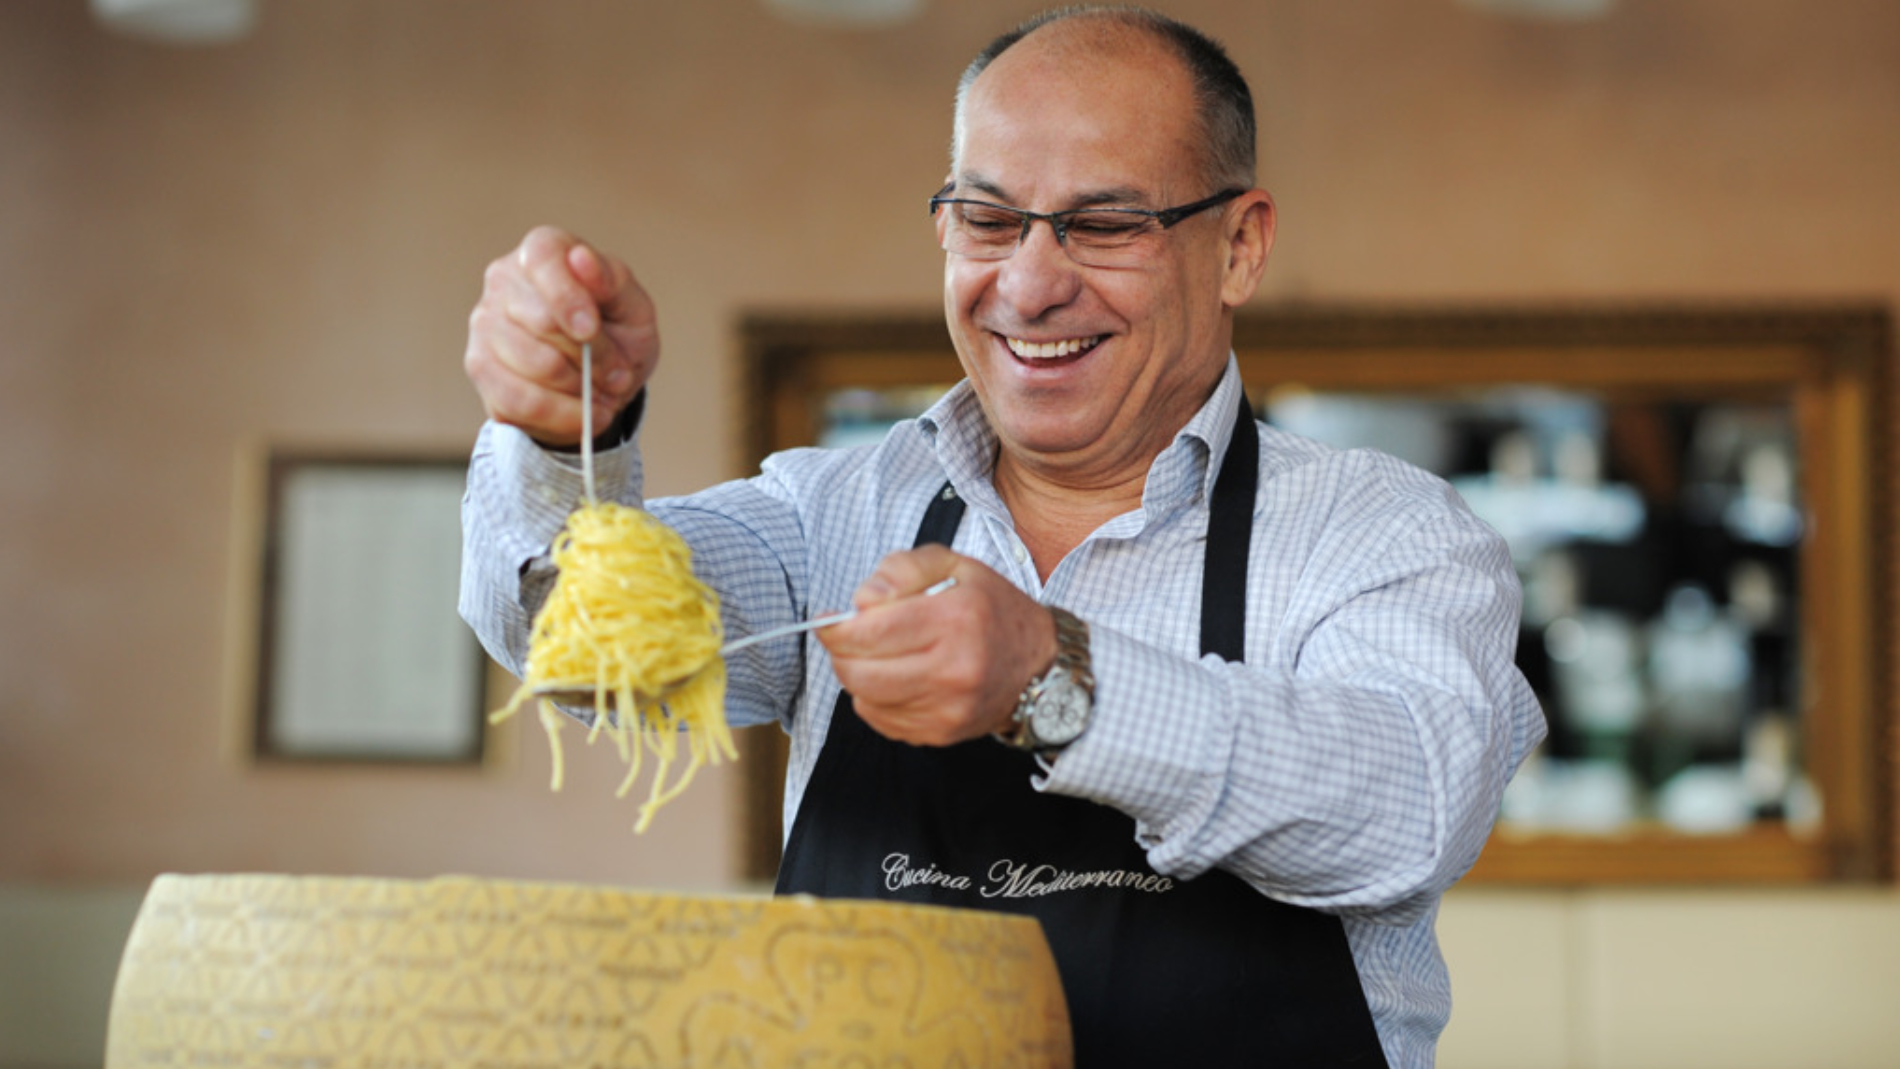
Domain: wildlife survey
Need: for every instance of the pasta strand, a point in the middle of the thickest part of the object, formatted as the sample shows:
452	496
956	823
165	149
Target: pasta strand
628	622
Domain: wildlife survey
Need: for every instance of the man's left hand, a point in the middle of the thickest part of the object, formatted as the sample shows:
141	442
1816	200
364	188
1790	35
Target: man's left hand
938	670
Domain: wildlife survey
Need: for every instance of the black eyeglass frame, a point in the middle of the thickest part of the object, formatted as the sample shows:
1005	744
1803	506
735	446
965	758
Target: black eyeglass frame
1165	217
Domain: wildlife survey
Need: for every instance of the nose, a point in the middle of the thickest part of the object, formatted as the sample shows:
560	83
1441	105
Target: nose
1039	276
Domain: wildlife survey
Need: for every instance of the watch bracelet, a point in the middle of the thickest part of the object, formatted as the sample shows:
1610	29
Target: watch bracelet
1072	656
1072	648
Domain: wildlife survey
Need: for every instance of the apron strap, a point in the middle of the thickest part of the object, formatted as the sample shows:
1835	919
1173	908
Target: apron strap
940	519
1230	526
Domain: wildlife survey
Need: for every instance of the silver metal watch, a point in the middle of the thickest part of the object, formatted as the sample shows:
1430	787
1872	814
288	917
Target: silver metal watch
1055	707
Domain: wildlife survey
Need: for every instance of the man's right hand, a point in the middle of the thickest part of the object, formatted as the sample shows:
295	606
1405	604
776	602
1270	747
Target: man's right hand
539	303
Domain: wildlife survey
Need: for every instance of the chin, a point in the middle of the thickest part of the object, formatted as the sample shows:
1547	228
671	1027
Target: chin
1045	433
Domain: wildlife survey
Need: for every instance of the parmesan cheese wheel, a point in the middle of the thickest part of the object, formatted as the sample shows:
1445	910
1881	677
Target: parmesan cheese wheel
332	973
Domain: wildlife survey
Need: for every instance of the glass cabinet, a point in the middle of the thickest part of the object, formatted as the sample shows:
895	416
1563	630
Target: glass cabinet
1698	504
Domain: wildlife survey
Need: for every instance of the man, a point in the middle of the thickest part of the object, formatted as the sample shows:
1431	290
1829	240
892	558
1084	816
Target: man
1228	711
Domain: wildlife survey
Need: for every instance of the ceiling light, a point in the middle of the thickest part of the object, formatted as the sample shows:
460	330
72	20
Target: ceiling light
850	13
188	22
1547	9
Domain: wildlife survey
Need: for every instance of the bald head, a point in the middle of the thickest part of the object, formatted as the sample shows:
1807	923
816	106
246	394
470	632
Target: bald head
1076	36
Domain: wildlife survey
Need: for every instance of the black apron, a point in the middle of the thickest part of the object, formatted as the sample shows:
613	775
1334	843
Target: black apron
1156	970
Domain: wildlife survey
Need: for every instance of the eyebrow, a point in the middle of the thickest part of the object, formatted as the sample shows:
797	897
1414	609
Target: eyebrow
1119	196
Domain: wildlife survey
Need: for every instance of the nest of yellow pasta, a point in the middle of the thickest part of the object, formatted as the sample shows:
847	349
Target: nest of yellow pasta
629	623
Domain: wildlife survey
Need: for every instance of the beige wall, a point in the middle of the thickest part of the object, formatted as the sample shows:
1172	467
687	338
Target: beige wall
203	251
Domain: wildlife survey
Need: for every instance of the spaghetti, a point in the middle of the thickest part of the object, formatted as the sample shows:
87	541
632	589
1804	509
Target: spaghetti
629	623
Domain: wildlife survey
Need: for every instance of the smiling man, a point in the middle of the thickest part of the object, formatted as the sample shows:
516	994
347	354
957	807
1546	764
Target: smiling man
1226	710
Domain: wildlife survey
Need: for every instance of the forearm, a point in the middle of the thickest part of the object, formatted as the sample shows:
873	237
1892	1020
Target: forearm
519	497
746	537
1354	766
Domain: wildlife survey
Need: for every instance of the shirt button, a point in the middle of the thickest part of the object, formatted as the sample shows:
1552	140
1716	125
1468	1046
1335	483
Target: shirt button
1022	555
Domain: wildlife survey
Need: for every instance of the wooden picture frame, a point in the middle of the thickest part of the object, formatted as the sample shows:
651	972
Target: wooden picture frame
360	655
1827	367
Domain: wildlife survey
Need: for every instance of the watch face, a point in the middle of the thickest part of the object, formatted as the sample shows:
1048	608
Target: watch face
1061	711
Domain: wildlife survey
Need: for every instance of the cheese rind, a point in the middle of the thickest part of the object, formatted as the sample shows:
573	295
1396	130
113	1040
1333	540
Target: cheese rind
333	973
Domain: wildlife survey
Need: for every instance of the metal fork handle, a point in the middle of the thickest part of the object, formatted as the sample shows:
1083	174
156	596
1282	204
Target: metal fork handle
568	694
817	622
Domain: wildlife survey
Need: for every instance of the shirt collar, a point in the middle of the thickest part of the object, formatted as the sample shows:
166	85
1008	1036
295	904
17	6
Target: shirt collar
966	446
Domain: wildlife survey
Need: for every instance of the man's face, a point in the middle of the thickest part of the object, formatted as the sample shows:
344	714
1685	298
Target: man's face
1089	369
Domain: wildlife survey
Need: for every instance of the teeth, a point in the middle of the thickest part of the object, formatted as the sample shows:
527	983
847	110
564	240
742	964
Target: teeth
1050	349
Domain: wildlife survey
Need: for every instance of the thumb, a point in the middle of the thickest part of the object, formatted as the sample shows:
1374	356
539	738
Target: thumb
610	282
904	573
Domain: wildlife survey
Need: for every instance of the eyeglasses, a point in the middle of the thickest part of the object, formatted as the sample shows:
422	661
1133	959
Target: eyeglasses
1093	237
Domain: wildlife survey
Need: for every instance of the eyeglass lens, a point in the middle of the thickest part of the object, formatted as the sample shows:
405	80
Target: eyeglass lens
1103	237
1097	236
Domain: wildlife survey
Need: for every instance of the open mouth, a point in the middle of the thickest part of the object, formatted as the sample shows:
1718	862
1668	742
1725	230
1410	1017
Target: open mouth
1064	349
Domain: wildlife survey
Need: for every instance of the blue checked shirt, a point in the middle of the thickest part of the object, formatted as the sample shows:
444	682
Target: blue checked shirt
1353	764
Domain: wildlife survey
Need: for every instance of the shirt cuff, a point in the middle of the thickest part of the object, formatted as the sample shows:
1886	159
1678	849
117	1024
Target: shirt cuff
547	485
619	432
1149	744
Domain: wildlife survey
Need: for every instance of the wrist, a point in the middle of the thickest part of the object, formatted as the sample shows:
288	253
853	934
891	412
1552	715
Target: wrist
1057	703
618	433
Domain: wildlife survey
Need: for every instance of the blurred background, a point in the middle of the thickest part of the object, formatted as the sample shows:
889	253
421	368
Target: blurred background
269	238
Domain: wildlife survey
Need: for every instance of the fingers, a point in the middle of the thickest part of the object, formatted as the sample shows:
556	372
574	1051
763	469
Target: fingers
527	383
941	669
902	626
539	303
545	296
931	694
619	297
630	321
913	664
904	573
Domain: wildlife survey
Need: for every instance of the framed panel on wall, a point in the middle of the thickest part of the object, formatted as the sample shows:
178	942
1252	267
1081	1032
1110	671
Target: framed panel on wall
360	654
1698	501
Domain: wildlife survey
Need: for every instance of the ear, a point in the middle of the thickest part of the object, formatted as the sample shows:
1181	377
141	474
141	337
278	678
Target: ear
1250	225
937	218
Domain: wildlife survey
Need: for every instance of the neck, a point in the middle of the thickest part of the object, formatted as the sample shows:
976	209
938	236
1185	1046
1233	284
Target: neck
1055	510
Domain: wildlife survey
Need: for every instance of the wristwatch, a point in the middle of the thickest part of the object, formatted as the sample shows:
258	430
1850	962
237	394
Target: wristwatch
1054	708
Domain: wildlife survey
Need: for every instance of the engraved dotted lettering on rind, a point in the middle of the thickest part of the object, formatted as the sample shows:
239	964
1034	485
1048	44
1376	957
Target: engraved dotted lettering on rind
524	964
852	996
477	915
633	1050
